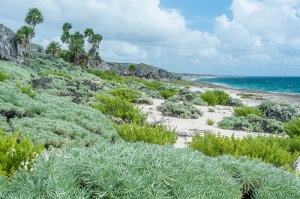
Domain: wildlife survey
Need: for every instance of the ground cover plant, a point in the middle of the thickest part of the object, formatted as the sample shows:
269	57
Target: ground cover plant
245	111
182	110
292	128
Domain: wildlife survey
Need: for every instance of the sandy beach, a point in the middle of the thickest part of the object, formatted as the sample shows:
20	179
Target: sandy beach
187	128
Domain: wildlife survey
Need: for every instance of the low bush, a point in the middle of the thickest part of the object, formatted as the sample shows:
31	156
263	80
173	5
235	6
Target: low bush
293	128
155	134
174	109
144	99
16	154
199	101
119	108
26	90
215	97
245	111
267	149
234	102
211	110
2	77
251	123
271	110
128	94
152	85
60	73
167	93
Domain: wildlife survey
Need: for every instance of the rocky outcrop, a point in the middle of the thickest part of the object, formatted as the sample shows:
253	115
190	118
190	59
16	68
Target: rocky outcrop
142	70
8	44
9	47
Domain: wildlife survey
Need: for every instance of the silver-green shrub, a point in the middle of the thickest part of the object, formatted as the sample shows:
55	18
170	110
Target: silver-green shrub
181	110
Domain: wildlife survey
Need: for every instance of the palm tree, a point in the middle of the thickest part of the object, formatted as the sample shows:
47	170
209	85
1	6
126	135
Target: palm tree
33	17
88	33
53	49
65	38
95	40
23	36
67	26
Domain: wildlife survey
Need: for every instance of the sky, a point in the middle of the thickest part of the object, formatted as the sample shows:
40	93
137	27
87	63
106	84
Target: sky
219	37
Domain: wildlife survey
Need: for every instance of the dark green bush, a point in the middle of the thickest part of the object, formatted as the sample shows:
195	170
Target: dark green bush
155	134
2	77
119	108
167	93
267	149
245	111
215	97
128	94
293	128
16	154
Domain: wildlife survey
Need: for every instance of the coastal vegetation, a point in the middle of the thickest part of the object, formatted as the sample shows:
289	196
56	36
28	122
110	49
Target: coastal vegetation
82	134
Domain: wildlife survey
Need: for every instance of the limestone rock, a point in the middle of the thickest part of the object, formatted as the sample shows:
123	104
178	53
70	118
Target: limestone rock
8	44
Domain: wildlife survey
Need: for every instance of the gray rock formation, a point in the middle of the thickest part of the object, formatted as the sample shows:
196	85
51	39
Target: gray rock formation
142	70
9	47
8	44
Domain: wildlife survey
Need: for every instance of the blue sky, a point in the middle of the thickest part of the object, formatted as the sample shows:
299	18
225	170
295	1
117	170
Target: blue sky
220	37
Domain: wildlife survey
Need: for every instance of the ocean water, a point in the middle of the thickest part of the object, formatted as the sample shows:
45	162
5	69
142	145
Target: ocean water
289	85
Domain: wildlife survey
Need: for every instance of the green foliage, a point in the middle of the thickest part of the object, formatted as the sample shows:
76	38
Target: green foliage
53	49
273	111
108	75
60	73
211	110
174	109
155	134
26	90
267	149
128	94
144	99
251	123
151	85
16	154
2	77
210	122
245	111
199	101
119	108
293	128
132	68
166	93
215	97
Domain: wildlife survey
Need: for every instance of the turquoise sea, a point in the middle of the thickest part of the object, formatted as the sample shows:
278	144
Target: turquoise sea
289	85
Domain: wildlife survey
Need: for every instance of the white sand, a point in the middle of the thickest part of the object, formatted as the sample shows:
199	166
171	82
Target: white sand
186	128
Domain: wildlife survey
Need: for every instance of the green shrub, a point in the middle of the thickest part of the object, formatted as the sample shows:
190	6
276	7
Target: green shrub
26	90
245	111
157	134
271	110
211	110
144	99
119	108
174	109
215	97
166	93
61	74
128	94
199	101
267	149
210	122
152	85
16	154
293	128
2	77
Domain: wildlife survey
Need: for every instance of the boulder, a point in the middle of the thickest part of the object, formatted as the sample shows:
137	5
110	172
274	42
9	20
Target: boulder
8	44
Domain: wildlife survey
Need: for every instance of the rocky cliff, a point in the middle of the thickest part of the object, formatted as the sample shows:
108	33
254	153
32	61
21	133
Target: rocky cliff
142	70
9	47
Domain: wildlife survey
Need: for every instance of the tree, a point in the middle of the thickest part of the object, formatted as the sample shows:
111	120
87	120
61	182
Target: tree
95	40
132	69
67	26
76	46
23	36
65	38
33	17
53	49
89	33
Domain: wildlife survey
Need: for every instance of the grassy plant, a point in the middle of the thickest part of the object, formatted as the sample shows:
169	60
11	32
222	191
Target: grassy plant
119	108
128	94
211	110
246	95
293	128
16	154
215	97
152	85
108	75
157	134
167	93
210	122
2	76
245	111
26	90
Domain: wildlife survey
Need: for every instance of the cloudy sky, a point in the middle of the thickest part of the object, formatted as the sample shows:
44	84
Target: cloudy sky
221	37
